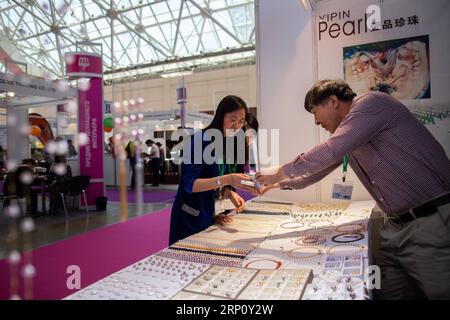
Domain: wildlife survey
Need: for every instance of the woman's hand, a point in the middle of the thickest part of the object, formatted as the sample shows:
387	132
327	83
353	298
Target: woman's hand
235	180
222	219
236	199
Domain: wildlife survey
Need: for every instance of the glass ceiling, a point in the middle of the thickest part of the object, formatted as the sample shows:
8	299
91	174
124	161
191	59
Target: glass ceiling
137	37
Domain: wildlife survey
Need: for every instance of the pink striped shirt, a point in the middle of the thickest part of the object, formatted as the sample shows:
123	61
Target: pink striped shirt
395	156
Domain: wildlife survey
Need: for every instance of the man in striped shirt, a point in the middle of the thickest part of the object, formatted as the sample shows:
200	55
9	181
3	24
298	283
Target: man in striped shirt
402	166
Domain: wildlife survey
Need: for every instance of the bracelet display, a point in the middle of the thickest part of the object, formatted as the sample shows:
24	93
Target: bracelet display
277	263
323	223
310	239
356	248
355	236
292	225
309	255
351	228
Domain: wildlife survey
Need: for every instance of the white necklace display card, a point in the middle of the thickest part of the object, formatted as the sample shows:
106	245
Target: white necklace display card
270	252
247	284
153	278
223	282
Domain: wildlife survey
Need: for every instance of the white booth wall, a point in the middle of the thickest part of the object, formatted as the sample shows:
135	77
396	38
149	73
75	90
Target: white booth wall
290	58
285	71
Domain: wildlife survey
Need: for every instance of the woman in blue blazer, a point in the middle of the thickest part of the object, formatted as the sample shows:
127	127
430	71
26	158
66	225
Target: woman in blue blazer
194	206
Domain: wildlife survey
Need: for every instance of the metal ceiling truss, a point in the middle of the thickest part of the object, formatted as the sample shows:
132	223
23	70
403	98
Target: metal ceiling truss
134	34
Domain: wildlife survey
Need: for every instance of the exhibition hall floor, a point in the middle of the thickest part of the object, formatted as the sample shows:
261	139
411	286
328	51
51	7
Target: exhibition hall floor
55	227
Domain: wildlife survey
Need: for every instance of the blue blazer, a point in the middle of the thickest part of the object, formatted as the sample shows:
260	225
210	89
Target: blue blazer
193	212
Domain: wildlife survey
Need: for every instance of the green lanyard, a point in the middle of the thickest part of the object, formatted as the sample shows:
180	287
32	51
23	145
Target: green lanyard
223	168
344	167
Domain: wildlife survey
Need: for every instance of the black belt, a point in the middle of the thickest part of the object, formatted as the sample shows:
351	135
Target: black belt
421	211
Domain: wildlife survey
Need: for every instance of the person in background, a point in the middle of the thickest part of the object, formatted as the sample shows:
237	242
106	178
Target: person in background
19	182
176	154
72	150
2	158
60	171
130	150
59	176
162	160
154	161
405	170
110	146
194	206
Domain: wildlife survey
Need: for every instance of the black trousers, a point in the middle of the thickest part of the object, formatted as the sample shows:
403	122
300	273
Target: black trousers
154	166
133	173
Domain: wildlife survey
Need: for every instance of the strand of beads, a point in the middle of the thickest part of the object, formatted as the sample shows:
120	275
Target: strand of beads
353	248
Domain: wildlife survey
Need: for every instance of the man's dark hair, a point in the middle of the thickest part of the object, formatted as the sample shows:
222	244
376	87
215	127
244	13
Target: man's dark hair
323	89
158	144
60	159
149	141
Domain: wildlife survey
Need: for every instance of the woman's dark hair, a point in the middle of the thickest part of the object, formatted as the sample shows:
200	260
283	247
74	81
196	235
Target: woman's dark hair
226	105
322	90
252	123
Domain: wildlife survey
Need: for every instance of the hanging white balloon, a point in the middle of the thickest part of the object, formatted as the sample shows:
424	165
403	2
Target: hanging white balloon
29	271
26	178
60	169
62	148
72	106
12	211
51	147
62	86
70	58
27	225
84	84
11	119
14	257
82	138
11	164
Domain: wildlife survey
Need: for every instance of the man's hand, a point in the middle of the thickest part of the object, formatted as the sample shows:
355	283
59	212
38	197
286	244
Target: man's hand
222	219
264	189
271	176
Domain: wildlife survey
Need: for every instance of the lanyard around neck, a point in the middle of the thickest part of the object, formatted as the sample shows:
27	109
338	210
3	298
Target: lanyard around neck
232	168
344	166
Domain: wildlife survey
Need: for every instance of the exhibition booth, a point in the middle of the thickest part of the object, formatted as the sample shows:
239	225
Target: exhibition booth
306	244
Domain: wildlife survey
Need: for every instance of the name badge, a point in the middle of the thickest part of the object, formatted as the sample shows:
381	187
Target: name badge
342	190
190	210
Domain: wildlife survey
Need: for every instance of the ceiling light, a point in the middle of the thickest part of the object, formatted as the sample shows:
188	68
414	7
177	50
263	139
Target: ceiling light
177	74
